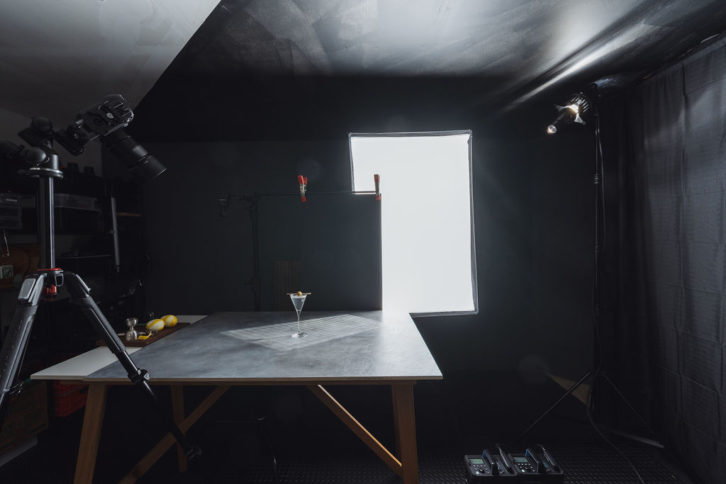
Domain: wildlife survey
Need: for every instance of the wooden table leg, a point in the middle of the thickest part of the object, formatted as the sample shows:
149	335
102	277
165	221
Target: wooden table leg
405	424
395	426
90	433
359	430
168	441
177	403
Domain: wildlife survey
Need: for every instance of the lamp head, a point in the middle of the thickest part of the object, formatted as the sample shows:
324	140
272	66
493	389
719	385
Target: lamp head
578	106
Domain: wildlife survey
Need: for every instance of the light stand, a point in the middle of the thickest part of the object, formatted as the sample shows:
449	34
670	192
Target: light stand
43	284
578	106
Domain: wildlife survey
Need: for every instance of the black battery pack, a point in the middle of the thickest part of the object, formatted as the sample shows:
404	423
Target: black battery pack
534	465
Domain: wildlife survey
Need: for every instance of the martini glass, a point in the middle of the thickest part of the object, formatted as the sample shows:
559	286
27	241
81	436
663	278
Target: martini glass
298	300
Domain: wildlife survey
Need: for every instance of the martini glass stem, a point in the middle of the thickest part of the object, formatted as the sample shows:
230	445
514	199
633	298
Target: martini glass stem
298	322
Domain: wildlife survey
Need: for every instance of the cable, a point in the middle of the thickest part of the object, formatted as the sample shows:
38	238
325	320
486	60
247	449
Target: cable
599	153
602	435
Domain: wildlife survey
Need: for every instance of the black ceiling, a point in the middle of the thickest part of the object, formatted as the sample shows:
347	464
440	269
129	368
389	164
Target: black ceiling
322	68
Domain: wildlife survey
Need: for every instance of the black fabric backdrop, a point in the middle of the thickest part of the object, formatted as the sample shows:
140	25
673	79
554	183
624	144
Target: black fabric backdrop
666	254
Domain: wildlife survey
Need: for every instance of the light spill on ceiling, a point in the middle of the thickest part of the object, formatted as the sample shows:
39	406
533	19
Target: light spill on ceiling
517	39
285	67
287	64
425	37
58	57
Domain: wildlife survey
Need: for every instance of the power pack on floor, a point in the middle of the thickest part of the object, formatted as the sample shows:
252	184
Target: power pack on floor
534	465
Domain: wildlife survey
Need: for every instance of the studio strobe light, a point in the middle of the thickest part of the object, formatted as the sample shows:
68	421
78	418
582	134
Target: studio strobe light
577	107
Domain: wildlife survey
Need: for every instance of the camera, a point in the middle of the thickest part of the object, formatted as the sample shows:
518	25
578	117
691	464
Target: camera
99	120
105	121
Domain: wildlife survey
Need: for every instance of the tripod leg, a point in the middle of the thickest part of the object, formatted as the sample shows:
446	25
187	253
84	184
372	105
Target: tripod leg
572	388
81	295
624	399
16	341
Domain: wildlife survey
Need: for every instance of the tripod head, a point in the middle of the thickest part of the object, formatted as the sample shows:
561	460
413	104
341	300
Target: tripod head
42	163
12	152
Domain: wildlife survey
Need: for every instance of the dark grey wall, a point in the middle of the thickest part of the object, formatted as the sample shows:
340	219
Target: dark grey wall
213	252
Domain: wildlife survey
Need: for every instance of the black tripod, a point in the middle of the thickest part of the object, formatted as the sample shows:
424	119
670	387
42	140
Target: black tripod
44	284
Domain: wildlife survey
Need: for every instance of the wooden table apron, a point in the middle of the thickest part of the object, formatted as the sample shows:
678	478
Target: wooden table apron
404	462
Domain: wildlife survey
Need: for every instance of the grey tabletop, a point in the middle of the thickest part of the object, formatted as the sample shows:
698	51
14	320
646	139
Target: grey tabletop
256	347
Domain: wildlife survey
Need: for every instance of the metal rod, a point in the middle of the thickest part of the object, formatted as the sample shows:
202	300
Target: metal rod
46	224
256	272
572	388
636	438
624	398
114	232
249	198
45	208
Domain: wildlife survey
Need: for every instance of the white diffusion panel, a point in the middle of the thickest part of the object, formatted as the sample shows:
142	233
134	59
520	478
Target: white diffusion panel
426	219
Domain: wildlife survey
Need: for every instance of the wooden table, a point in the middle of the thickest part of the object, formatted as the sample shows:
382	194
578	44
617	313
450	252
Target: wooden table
255	348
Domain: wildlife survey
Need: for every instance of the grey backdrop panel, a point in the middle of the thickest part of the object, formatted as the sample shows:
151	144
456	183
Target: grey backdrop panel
337	240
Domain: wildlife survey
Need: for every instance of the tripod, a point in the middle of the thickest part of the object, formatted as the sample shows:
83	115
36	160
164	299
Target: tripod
44	283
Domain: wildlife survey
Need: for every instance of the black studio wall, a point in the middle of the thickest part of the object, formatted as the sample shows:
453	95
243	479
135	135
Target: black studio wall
666	148
201	233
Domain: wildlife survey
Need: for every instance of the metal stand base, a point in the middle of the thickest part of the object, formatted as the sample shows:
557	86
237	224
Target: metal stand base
594	374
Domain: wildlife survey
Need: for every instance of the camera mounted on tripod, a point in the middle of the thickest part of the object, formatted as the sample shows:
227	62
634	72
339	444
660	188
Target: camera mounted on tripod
104	121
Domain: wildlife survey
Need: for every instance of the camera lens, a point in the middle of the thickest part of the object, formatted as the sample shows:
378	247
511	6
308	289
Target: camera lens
139	161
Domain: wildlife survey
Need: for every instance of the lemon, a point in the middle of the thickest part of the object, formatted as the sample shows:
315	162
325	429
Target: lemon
170	320
155	325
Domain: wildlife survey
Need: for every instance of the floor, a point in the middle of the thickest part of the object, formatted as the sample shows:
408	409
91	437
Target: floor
590	464
311	446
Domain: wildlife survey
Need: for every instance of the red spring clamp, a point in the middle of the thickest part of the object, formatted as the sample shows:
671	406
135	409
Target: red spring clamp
303	182
377	179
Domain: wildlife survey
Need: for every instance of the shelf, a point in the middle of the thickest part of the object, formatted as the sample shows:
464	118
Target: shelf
82	257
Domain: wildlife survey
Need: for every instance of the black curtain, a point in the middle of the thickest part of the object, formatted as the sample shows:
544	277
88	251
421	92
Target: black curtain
665	152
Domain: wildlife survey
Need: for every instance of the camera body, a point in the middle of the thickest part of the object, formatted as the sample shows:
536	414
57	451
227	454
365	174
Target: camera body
99	120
